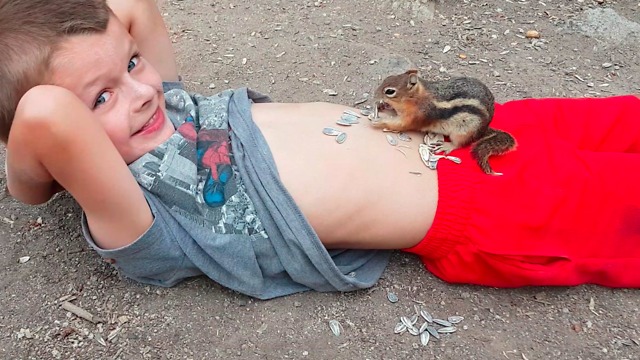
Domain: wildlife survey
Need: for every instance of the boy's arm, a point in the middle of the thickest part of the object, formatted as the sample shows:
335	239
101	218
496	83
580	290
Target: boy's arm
54	138
146	25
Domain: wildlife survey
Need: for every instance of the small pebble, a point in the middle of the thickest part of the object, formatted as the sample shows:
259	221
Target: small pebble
532	34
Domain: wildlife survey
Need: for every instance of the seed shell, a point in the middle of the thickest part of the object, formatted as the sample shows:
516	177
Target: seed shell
343	122
392	297
414	319
400	328
447	330
391	140
404	137
351	119
349	112
424	338
331	131
335	327
342	137
426	315
416	308
406	321
442	322
413	331
455	319
433	332
423	328
365	112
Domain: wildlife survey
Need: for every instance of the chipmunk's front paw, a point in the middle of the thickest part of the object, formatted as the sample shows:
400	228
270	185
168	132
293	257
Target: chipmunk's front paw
379	124
390	124
445	147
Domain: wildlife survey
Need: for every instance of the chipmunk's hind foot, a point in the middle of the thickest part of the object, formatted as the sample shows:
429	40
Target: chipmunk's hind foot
495	142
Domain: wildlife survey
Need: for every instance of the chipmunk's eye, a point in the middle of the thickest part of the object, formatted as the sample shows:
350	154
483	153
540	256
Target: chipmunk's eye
390	92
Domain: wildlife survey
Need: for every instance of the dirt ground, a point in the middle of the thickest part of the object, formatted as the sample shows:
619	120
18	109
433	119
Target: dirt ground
297	51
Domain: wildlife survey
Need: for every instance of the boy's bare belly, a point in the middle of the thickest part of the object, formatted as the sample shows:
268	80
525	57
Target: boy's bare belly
359	194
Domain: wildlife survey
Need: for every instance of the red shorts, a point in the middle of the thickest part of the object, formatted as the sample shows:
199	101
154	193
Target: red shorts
565	212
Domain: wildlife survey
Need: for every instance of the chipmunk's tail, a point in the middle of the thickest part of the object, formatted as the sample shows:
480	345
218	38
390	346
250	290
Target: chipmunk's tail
494	142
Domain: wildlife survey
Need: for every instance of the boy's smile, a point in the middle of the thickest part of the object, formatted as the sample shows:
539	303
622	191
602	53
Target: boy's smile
124	91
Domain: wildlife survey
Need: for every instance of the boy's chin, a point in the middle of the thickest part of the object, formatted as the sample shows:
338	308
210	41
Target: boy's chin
148	144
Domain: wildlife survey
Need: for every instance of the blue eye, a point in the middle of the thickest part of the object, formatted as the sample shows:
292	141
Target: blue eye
102	98
133	62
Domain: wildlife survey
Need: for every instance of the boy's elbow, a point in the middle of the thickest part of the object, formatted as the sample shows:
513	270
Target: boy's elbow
30	196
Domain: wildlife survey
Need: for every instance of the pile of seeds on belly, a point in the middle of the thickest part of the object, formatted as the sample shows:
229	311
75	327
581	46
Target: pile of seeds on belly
427	150
347	118
431	327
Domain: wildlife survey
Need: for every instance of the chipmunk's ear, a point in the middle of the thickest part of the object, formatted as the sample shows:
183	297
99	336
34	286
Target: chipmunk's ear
413	81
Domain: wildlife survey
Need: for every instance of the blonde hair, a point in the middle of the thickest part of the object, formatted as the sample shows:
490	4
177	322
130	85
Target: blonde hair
30	31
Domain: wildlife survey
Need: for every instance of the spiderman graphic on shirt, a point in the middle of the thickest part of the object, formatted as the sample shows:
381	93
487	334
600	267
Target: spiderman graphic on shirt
213	160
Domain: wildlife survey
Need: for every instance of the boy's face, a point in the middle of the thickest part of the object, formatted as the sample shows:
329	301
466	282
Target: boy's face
121	88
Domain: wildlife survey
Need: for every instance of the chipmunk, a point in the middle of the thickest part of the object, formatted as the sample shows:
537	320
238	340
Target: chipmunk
460	108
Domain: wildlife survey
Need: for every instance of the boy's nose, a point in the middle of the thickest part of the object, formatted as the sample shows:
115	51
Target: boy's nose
143	95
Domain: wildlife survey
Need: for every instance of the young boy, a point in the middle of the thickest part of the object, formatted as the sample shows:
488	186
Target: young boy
251	194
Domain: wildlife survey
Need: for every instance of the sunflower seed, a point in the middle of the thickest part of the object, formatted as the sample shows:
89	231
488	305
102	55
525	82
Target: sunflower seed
416	308
455	319
391	140
392	297
99	339
343	122
432	139
400	328
435	157
427	157
113	334
335	327
447	330
424	338
406	321
404	137
414	319
349	112
426	315
358	102
413	331
433	332
442	322
456	160
423	328
349	118
331	131
342	137
365	112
